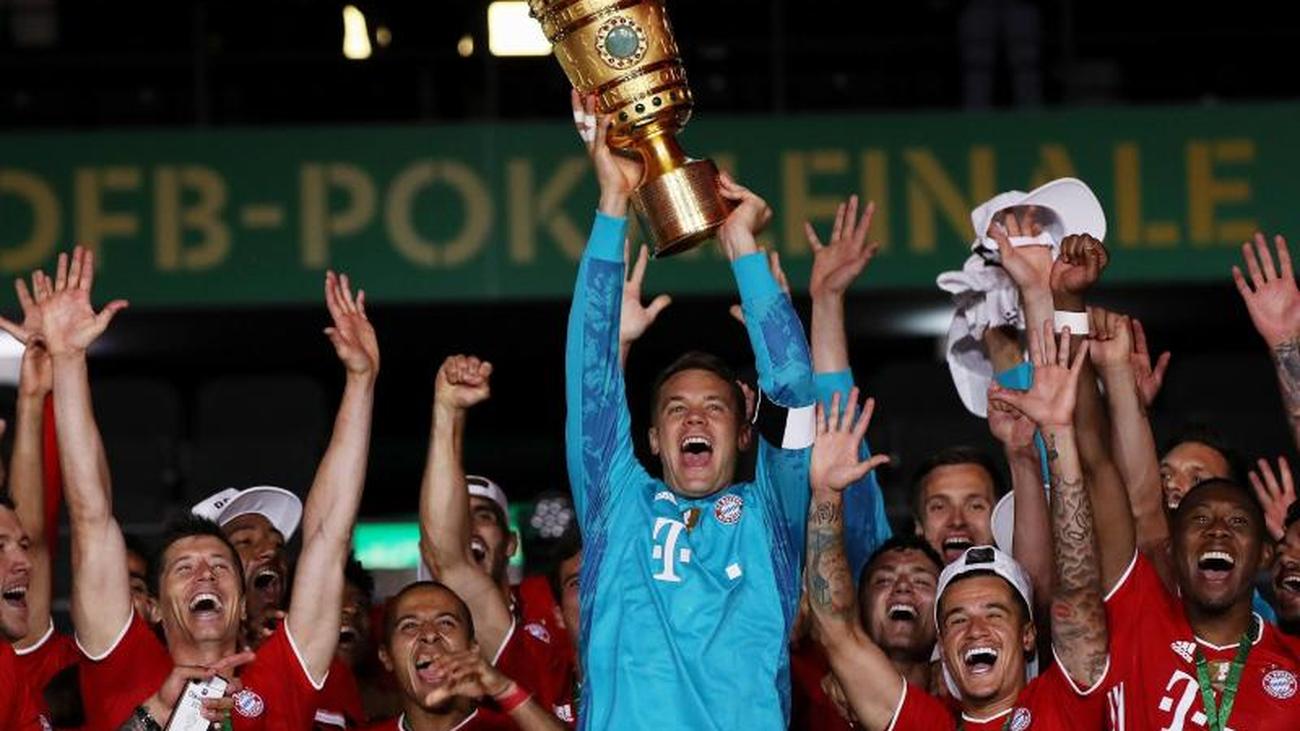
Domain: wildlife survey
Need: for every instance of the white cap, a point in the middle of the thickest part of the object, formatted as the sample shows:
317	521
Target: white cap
990	559
984	297
281	507
1003	522
1074	207
483	487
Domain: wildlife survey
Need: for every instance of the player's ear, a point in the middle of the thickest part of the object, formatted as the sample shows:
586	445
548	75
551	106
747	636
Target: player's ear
744	437
1029	639
654	441
512	543
1266	554
385	659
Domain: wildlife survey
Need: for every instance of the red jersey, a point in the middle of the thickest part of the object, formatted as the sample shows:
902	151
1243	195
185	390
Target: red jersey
1048	703
18	708
810	707
530	659
479	720
277	690
1156	683
42	661
339	704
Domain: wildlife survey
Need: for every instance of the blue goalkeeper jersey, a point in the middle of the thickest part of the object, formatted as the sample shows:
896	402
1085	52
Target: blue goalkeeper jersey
687	603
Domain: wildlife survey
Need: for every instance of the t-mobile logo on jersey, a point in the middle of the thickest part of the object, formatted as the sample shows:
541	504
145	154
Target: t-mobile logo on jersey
1180	701
668	551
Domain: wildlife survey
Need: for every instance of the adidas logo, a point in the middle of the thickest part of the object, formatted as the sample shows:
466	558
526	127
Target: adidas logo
1186	650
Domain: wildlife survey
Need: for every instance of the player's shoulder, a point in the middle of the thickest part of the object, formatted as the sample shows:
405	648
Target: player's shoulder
1280	648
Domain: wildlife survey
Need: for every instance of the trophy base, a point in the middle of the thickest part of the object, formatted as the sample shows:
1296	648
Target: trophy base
682	208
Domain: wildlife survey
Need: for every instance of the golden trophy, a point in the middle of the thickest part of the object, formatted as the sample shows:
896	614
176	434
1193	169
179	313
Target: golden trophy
623	51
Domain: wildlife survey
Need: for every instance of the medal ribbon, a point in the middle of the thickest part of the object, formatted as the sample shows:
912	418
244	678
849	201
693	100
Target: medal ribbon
1217	716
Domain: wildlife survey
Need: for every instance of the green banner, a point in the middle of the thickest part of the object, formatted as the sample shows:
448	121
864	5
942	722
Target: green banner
497	211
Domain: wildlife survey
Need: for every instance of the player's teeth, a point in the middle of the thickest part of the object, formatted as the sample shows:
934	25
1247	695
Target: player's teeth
902	609
1217	555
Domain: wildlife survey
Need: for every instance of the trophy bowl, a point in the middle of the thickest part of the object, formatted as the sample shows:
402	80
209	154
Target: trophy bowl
623	51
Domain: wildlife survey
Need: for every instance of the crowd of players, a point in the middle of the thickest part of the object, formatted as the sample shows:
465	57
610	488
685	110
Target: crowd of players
748	580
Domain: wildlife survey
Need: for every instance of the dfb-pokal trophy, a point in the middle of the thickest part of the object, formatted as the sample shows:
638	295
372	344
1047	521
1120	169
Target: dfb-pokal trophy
625	54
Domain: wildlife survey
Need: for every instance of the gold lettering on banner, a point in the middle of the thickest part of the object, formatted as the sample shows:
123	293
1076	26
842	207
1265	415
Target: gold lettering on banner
398	213
206	215
93	222
44	205
930	191
800	203
1206	192
320	225
1133	230
531	207
875	187
1053	162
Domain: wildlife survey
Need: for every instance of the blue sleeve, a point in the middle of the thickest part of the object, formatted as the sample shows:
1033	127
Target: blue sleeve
865	523
597	426
785	375
1021	377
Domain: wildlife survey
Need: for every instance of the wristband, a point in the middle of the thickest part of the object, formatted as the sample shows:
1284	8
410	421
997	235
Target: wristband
1076	321
782	426
512	698
143	720
1042	239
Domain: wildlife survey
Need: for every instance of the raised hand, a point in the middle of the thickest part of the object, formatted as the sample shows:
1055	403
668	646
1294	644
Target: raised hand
773	265
1275	496
67	321
1050	400
162	702
1078	266
1149	380
617	173
1111	339
1030	267
837	263
1271	295
36	374
745	222
466	674
352	335
835	463
1010	427
636	317
463	381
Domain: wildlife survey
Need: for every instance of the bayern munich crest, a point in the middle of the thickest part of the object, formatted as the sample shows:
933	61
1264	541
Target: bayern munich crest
1020	720
1280	684
248	704
728	508
537	630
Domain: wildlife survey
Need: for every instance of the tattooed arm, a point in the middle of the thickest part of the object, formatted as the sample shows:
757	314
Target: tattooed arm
870	682
1079	634
1273	301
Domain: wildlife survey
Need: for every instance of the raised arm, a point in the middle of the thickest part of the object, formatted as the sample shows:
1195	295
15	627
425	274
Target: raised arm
1032	532
101	592
598	437
462	382
836	265
870	683
1079	634
1131	437
26	470
331	510
1273	302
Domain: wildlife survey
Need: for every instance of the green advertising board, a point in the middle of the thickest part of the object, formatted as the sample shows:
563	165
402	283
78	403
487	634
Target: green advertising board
501	211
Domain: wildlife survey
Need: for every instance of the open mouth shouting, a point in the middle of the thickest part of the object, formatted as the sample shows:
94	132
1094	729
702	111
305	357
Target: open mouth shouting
15	595
347	635
1287	583
697	451
425	671
1215	565
980	659
902	612
205	605
478	549
954	545
265	578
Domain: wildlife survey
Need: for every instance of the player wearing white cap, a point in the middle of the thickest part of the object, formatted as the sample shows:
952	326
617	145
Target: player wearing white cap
466	541
984	599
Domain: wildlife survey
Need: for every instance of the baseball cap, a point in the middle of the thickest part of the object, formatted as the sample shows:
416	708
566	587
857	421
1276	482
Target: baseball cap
1003	522
281	507
990	560
483	487
1074	208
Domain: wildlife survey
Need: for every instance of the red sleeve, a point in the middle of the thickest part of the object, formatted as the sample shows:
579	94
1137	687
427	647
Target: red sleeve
340	703
280	678
1054	696
1138	593
18	708
920	711
41	662
113	685
538	666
